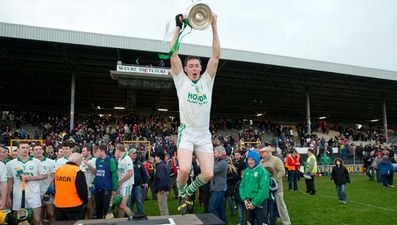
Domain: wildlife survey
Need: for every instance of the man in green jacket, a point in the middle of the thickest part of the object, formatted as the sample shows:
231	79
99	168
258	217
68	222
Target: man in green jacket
254	187
325	161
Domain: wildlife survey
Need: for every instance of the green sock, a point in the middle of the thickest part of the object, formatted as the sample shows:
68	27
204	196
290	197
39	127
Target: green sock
198	182
181	190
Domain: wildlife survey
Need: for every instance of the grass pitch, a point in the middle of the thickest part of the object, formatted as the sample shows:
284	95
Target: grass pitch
367	203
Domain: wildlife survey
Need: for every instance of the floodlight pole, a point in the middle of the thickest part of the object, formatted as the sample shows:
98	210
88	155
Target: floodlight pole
385	120
72	103
309	129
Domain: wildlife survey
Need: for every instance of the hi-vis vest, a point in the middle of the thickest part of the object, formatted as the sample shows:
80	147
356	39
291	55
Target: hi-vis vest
66	193
314	170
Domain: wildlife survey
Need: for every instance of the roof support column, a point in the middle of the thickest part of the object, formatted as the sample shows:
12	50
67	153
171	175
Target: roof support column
309	129
385	120
131	99
72	98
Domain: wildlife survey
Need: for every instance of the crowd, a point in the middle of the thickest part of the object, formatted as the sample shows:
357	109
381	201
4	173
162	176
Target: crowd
126	173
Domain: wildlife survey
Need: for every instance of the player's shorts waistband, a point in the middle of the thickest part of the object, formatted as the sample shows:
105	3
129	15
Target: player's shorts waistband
183	126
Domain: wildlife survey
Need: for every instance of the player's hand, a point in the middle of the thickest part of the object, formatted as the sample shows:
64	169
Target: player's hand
178	20
214	20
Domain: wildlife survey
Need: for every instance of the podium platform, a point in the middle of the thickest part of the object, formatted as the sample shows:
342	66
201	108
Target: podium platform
188	219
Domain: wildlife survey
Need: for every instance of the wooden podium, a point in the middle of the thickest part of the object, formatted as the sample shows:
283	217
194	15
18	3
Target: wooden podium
188	219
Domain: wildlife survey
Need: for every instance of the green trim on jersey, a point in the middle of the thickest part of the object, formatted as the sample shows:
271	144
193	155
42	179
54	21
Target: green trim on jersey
181	128
30	158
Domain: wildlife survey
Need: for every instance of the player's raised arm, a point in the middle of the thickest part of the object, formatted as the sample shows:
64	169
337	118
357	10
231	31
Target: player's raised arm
216	48
176	63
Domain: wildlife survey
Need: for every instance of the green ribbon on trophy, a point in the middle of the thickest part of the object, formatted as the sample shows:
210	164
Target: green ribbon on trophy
175	47
198	17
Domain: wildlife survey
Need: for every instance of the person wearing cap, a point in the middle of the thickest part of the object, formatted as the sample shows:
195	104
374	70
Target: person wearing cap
310	172
194	91
71	189
141	179
268	160
161	183
254	187
218	187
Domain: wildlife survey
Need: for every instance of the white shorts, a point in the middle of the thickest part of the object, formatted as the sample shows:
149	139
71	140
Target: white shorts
31	202
125	190
194	139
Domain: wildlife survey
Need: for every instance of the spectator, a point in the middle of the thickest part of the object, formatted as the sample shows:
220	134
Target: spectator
141	179
254	188
161	183
217	203
386	171
268	160
340	176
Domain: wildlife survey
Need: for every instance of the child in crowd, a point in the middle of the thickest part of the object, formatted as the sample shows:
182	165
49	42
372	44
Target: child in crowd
254	187
271	201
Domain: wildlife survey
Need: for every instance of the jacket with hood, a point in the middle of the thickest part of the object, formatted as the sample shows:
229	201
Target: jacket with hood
385	166
255	183
339	174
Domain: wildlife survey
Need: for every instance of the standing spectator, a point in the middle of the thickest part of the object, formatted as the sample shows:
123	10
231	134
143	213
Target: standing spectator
232	178
325	161
105	181
217	203
125	173
375	166
161	183
194	92
239	163
46	185
369	170
149	166
293	165
32	169
340	176
254	187
268	160
71	190
310	172
141	179
173	171
386	171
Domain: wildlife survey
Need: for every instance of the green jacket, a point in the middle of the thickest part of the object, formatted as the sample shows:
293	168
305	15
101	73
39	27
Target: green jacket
255	185
325	160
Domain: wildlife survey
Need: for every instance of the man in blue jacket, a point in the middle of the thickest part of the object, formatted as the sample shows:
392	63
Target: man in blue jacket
141	179
161	183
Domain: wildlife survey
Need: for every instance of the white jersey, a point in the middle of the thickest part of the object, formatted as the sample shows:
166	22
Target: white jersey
3	172
60	162
89	176
49	166
194	99
125	164
32	167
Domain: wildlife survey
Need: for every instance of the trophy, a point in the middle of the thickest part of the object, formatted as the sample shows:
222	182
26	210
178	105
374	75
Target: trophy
198	16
